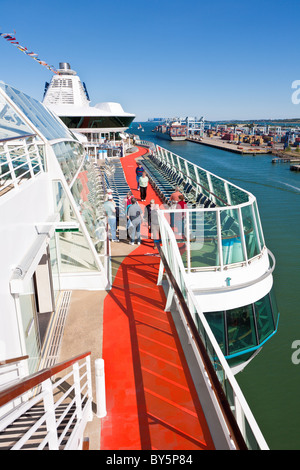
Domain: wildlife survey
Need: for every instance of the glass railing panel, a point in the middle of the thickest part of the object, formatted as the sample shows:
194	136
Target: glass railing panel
202	178
192	172
218	188
237	196
203	239
259	228
175	161
252	243
232	248
177	221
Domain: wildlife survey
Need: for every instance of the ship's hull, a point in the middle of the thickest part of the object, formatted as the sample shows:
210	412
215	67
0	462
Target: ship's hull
167	136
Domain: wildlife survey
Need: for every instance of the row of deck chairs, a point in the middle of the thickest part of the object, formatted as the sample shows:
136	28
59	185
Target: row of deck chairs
165	179
114	179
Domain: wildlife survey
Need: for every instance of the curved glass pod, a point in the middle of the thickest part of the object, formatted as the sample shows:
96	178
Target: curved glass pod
243	330
218	238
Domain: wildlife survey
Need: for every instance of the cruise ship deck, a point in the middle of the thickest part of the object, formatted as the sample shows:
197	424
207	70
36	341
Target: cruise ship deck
152	402
151	399
156	398
169	320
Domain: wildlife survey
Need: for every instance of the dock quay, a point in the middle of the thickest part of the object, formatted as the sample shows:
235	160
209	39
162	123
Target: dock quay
285	160
222	145
291	159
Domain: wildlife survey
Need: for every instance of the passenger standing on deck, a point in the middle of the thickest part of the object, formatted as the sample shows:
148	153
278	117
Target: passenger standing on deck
147	215
139	171
110	210
174	198
135	216
129	196
144	180
151	217
108	193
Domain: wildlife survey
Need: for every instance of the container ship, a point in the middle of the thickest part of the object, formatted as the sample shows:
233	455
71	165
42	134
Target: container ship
123	346
171	131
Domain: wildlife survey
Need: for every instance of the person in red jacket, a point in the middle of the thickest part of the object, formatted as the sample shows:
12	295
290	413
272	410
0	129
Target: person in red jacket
181	204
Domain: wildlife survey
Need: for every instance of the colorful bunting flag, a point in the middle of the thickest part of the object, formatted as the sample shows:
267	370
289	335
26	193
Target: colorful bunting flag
12	40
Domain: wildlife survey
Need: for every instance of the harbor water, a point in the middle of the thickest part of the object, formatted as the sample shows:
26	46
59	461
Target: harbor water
271	382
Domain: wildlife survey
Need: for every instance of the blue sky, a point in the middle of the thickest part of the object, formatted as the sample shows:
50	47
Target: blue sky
220	59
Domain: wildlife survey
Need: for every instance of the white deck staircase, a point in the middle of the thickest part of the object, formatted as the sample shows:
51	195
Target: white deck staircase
48	410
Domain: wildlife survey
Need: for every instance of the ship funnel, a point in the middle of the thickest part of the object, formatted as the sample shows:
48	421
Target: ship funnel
64	66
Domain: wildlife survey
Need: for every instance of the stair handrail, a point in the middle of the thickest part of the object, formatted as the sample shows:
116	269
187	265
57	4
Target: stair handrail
24	385
13	360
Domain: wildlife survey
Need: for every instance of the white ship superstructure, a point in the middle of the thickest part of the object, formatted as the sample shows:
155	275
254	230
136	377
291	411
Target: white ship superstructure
67	96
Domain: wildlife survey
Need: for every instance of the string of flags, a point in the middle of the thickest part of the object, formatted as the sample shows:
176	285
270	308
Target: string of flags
12	40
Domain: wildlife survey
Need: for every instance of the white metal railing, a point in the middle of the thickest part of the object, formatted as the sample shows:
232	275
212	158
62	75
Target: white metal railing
64	407
12	371
20	159
244	417
145	143
219	190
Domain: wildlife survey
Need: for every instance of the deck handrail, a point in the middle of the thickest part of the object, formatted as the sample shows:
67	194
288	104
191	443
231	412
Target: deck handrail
230	420
34	380
242	412
196	183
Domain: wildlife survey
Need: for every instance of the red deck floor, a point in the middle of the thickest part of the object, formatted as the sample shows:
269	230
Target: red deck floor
150	397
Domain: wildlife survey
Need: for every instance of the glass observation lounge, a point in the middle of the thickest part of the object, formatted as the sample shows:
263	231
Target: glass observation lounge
218	247
26	126
53	227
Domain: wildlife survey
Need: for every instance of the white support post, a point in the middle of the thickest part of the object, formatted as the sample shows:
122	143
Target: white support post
89	385
50	415
188	239
27	155
10	166
169	298
239	416
219	232
77	390
160	273
100	388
